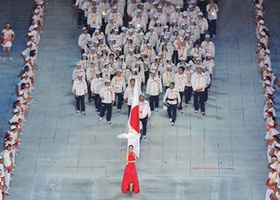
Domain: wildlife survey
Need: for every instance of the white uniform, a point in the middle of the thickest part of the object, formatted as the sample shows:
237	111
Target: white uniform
154	86
118	84
107	94
7	37
144	109
212	11
209	47
180	81
167	78
94	20
7	163
96	84
198	81
128	94
82	41
172	96
77	71
79	87
210	64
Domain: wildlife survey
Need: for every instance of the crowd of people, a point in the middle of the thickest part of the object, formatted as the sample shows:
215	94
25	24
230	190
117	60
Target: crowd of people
157	46
269	81
23	90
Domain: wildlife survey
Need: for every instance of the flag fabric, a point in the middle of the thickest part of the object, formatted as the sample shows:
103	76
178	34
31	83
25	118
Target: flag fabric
179	44
134	121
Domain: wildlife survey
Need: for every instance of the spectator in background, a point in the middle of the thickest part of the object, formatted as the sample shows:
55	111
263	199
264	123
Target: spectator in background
8	35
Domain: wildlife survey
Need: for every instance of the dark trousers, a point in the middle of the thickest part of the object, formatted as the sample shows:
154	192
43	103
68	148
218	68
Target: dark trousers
89	94
146	74
106	107
91	31
212	28
202	5
175	59
210	81
206	94
103	25
172	112
97	102
118	100
181	96
154	100
188	94
202	38
80	103
199	97
81	15
129	109
144	122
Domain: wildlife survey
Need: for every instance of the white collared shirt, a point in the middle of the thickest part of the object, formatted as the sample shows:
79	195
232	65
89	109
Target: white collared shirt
108	94
144	109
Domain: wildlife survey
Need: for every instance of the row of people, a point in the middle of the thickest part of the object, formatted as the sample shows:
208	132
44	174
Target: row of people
23	91
269	80
107	69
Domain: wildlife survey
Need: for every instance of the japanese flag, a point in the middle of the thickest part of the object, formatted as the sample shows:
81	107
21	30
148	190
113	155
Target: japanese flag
134	122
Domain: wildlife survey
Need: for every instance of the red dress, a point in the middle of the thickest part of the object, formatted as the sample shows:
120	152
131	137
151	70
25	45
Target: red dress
130	176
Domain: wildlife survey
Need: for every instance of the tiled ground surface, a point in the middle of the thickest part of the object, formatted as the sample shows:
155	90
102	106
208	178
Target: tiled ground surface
67	156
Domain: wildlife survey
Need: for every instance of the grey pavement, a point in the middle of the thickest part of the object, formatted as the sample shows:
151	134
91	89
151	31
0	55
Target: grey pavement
64	155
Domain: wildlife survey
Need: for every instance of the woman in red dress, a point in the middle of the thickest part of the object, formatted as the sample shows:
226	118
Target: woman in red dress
130	179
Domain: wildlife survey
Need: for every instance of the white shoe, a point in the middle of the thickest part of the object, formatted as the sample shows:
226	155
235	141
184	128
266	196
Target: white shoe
144	136
114	108
119	110
11	59
172	123
100	118
7	193
181	111
109	122
170	120
156	109
4	59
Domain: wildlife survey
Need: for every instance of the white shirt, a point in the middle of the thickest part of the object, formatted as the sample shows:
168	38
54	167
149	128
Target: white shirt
172	96
209	47
118	83
82	41
154	86
144	109
180	81
76	71
96	84
212	11
128	94
198	81
210	64
79	87
167	78
108	94
7	158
